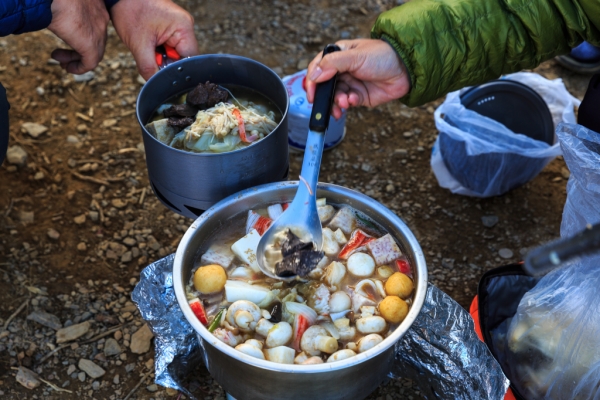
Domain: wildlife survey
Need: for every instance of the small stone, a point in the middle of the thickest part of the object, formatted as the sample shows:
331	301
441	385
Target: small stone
40	90
28	378
140	341
81	246
72	139
390	188
34	130
26	217
45	319
72	332
72	368
94	215
302	64
80	219
38	176
93	370
118	203
16	155
129	241
489	221
107	123
53	234
401	153
116	379
407	134
171	391
95	385
505	253
126	257
82	128
111	347
88	76
565	173
152	388
278	71
141	80
81	376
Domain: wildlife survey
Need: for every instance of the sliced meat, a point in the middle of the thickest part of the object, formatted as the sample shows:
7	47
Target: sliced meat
180	123
206	95
180	110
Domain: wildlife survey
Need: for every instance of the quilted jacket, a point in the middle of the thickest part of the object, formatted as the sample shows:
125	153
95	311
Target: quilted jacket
449	44
20	16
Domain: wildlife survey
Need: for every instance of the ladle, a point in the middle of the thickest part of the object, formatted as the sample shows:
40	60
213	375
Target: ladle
302	217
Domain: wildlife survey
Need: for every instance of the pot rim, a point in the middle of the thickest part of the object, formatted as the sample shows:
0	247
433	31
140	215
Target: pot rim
418	300
178	63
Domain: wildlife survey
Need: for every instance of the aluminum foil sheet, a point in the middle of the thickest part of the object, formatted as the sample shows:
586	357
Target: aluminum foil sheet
443	355
441	351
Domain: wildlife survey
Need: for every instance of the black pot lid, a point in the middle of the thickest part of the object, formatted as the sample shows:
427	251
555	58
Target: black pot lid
516	106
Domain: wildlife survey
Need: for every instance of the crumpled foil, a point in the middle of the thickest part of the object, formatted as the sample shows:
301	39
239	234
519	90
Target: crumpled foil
440	352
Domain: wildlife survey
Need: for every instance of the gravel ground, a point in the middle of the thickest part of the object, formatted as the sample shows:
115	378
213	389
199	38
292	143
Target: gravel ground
79	220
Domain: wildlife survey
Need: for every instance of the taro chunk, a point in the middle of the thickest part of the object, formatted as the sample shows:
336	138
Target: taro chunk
245	249
344	220
162	130
217	254
330	246
384	250
325	213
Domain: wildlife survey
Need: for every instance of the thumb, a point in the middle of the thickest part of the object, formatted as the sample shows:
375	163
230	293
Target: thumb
145	60
186	45
337	62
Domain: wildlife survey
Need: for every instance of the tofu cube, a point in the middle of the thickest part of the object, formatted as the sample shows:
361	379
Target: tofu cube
344	220
245	249
161	130
384	250
218	254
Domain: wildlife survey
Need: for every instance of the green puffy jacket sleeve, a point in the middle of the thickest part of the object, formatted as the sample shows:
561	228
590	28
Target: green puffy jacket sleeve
449	44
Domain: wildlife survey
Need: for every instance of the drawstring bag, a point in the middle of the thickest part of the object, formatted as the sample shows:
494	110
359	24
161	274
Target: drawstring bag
478	156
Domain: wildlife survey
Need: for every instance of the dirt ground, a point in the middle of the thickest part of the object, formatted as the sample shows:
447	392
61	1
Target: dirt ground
78	219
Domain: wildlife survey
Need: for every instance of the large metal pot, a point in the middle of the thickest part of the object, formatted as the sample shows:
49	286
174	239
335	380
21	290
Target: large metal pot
189	183
246	377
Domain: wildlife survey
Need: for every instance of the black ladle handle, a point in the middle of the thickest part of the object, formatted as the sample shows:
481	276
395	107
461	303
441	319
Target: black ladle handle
549	256
321	110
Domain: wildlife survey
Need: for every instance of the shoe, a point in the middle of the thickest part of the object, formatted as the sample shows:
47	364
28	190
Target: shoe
584	59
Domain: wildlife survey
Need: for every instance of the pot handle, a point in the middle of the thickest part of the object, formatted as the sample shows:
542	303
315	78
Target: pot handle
165	55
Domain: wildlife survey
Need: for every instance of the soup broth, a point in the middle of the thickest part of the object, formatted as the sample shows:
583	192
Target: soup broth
359	292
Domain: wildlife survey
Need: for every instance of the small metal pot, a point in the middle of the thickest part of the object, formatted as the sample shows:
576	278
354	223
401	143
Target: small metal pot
246	377
189	183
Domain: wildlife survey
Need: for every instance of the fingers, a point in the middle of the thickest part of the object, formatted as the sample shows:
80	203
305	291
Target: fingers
75	63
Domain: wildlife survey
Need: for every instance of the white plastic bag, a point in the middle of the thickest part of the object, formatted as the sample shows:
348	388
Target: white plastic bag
497	160
553	342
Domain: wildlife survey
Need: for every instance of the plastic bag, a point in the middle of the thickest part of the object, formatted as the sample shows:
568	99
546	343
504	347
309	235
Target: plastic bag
488	159
553	342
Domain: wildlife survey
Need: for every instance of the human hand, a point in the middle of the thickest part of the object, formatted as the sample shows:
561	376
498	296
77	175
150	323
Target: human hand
82	25
370	73
145	24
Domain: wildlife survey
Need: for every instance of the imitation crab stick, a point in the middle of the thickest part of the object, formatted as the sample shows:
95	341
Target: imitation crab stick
242	127
198	310
358	238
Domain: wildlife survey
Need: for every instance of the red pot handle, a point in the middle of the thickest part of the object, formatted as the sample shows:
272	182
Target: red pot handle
165	55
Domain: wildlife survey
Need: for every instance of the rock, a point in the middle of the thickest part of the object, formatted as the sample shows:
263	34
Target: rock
53	234
88	76
126	257
107	123
111	347
81	246
152	388
16	155
81	376
34	130
118	203
302	64
72	139
116	379
28	378
72	332
94	215
26	217
71	369
80	219
141	80
407	134
82	128
565	173
46	319
489	221
40	90
401	153
129	241
140	341
93	370
505	253
38	176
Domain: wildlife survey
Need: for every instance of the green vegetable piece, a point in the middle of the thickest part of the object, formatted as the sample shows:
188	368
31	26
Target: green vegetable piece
215	323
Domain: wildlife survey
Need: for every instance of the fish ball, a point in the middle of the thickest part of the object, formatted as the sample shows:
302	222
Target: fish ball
399	285
339	301
393	309
210	279
361	264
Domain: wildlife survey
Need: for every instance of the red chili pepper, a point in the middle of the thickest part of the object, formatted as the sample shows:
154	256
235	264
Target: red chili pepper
357	239
301	324
403	267
199	312
241	126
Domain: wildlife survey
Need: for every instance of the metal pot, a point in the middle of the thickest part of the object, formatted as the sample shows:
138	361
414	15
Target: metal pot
246	377
189	183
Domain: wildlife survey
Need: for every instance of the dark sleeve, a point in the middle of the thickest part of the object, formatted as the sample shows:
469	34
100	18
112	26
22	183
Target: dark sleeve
110	3
20	16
